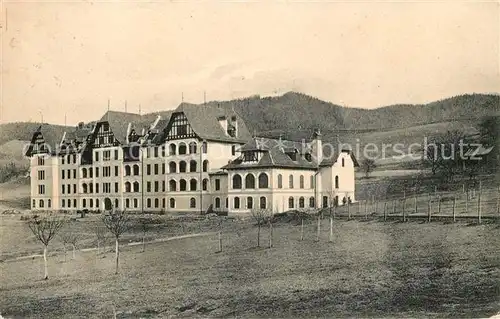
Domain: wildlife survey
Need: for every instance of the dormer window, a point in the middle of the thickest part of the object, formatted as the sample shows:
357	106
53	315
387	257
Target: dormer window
231	131
292	154
308	157
250	156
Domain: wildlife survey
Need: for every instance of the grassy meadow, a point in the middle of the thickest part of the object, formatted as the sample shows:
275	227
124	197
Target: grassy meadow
371	268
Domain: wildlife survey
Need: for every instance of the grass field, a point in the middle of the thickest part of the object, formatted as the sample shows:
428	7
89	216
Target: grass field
371	268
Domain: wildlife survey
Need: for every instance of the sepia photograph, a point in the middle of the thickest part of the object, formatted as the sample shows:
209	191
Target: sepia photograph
249	159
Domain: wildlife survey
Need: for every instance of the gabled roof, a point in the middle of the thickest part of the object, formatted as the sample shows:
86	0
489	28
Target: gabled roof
118	122
204	122
51	138
274	154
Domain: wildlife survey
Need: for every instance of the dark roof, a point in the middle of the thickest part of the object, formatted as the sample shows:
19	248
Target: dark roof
51	137
118	122
218	173
273	154
204	121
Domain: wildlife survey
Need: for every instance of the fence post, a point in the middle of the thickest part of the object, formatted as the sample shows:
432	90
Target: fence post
385	210
454	203
439	205
366	209
479	204
220	241
302	229
467	201
429	209
404	206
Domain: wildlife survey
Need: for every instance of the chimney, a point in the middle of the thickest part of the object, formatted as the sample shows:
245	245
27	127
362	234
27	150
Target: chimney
317	146
234	122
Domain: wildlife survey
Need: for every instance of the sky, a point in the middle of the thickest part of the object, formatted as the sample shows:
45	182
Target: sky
65	59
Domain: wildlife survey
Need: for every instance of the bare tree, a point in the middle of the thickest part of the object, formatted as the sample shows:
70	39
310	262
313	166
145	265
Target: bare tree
260	215
145	223
368	165
117	222
69	235
45	228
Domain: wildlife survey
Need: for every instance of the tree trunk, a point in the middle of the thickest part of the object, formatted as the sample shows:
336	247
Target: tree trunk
143	242
46	267
331	228
74	251
258	236
270	234
117	253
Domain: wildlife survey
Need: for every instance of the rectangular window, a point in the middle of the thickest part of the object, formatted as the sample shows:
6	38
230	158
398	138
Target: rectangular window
74	188
148	152
148	169
148	187
96	156
62	188
217	184
69	203
163	186
163	168
156	151
68	188
62	160
156	169
69	173
116	170
116	154
116	187
157	186
74	173
74	203
41	175
62	174
106	155
96	188
34	203
63	202
163	151
97	172
41	189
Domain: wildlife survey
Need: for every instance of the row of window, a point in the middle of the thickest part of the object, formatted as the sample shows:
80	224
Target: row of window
41	203
67	189
193	185
69	159
41	175
263	181
66	174
237	202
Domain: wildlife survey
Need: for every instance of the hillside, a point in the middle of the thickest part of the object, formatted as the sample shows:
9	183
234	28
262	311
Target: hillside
296	115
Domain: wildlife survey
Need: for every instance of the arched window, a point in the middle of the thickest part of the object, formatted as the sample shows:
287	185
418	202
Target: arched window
148	202
290	202
127	170
192	148
311	182
205	184
182	185
249	181
302	202
337	181
263	180
116	202
157	202
136	169
182	167
193	184
172	149
84	203
290	181
311	202
127	187
172	185
280	181
172	167
301	181
192	202
90	172
249	202
182	149
136	186
263	202
91	203
205	165
236	181
192	166
84	188
127	203
49	203
84	173
236	203
136	203
217	202
204	147
74	158
172	202
343	162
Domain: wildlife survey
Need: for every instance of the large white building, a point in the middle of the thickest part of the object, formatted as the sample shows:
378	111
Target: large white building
198	158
